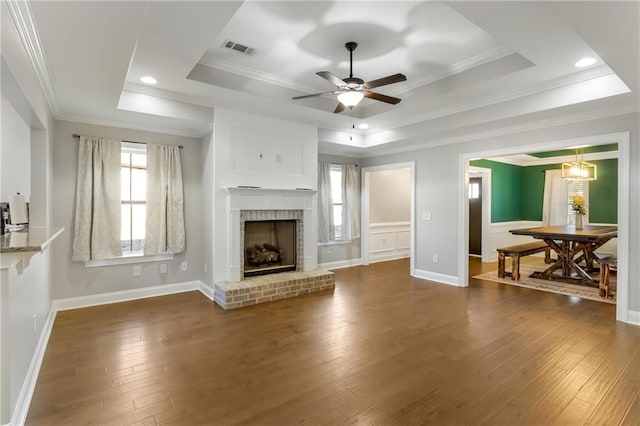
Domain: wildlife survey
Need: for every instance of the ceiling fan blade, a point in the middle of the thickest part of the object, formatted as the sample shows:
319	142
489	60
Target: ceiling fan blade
315	94
390	79
339	108
332	78
381	97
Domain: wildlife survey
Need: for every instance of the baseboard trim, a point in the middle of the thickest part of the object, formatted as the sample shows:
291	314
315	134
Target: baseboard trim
437	277
633	317
340	264
375	257
29	385
124	295
207	291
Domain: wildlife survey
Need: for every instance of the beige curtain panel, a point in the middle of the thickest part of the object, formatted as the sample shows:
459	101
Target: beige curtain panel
326	227
165	230
351	202
555	199
96	232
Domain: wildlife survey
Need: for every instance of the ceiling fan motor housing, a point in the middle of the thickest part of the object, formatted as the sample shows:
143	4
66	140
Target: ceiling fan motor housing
354	83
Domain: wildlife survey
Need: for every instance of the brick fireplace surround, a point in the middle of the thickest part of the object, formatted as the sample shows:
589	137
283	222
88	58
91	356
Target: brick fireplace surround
265	204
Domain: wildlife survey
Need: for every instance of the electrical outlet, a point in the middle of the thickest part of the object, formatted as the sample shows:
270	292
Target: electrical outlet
426	216
136	271
163	268
435	258
183	266
205	267
329	250
35	322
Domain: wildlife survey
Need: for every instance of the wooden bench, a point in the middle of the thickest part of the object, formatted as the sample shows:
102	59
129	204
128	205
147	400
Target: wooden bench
606	262
516	252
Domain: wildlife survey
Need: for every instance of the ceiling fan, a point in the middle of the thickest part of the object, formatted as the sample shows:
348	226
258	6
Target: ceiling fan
351	90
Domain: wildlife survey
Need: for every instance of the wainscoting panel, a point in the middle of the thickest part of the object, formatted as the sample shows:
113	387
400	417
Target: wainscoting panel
501	237
388	241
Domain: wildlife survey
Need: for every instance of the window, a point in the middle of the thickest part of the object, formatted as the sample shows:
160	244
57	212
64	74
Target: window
133	190
336	199
474	190
579	187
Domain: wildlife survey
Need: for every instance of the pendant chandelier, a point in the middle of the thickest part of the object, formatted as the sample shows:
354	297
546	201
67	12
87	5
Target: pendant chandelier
579	170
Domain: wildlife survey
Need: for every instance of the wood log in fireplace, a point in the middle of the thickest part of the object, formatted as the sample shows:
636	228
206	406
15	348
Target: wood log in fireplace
264	255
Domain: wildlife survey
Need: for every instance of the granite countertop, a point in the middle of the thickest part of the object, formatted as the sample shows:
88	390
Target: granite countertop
29	239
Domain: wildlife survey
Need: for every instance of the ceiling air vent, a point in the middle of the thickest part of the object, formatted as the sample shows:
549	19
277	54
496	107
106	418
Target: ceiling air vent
238	47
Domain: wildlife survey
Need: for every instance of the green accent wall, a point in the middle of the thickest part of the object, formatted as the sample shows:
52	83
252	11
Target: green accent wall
516	192
506	186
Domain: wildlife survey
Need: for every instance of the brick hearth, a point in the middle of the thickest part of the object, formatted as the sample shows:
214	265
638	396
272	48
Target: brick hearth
267	288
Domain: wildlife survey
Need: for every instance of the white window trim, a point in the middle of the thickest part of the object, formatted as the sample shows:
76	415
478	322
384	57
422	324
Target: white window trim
336	242
127	259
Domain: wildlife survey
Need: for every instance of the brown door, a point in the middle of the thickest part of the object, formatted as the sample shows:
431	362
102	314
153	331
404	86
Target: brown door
475	215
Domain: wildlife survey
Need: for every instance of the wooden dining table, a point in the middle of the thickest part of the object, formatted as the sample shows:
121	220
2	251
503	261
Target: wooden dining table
574	248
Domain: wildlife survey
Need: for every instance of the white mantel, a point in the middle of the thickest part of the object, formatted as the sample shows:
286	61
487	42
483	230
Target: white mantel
239	199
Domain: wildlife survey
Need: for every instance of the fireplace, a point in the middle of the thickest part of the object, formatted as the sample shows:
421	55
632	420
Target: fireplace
269	247
271	208
271	241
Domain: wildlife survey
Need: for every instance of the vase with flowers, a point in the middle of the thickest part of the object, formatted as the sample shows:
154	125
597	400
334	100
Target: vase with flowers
578	206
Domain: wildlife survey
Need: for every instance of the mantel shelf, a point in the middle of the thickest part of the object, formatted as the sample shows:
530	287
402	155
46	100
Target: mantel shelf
256	190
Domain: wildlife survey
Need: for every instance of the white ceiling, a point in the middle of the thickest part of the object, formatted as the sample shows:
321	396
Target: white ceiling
469	65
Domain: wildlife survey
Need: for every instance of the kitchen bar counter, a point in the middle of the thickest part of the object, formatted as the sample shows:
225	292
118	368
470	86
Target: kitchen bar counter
18	247
28	239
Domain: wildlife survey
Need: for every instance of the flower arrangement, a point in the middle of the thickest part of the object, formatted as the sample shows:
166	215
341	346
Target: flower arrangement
577	204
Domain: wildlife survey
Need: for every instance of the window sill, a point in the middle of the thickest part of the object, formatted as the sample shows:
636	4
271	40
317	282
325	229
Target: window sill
336	242
124	260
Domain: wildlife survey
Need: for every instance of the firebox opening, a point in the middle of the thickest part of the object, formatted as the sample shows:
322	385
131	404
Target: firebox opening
269	247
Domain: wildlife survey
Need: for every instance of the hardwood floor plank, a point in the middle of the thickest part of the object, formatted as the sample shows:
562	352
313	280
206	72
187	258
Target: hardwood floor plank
383	348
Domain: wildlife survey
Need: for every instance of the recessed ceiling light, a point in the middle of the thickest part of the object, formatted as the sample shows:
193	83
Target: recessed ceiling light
585	62
148	79
363	126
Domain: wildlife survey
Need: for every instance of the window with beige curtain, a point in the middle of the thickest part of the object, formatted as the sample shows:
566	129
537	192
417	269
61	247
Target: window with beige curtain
129	200
338	202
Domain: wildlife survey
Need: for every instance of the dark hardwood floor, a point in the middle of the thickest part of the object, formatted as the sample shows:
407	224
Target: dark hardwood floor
383	348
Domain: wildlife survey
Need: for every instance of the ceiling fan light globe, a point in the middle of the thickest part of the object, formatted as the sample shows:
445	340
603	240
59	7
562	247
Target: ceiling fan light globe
350	99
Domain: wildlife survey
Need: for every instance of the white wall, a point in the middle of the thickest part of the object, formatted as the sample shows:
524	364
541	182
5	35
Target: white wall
390	196
15	152
72	279
257	151
28	292
437	190
207	209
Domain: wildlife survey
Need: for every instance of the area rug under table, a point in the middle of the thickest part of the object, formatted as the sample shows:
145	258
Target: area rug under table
531	264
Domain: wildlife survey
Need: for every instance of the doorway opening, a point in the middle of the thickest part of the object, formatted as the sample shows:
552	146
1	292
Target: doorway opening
502	220
388	194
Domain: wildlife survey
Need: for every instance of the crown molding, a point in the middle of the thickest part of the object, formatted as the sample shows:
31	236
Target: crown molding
371	151
255	74
529	160
167	94
23	22
123	125
457	68
505	96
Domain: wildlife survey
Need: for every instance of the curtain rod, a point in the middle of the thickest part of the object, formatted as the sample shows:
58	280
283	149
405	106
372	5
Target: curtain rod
77	136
